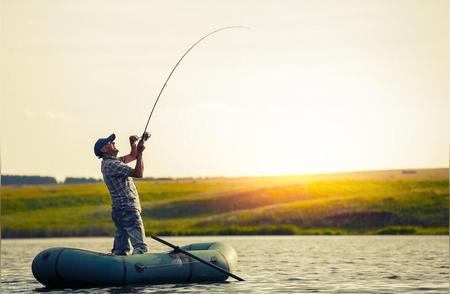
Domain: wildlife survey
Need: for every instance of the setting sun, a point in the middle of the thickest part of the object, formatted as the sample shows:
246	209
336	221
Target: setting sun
318	89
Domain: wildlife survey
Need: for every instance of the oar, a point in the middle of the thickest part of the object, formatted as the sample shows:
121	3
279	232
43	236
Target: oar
197	258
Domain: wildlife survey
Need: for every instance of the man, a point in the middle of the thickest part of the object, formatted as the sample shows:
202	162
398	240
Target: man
126	208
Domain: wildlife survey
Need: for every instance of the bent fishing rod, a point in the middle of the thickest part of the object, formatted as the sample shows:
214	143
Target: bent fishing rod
145	135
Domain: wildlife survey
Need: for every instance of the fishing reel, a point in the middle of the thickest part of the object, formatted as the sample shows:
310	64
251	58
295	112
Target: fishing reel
145	136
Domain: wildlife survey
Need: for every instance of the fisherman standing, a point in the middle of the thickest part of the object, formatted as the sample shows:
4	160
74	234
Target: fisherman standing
126	207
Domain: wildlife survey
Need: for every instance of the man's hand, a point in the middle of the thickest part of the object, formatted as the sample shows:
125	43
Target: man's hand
140	147
133	139
133	153
138	171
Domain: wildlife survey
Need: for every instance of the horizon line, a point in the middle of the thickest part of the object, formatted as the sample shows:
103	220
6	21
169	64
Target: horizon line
244	176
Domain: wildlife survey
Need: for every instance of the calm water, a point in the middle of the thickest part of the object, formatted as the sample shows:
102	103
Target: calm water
291	264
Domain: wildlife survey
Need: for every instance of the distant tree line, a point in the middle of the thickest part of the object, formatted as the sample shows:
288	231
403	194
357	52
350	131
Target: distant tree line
11	180
71	180
8	180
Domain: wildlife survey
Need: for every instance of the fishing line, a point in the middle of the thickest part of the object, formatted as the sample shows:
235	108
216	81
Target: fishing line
145	136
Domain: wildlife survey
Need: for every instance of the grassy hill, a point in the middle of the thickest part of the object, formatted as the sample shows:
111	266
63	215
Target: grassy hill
380	202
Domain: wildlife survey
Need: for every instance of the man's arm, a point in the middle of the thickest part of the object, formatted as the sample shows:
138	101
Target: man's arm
138	171
132	156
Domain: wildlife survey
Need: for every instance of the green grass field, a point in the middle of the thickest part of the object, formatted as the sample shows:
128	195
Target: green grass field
380	202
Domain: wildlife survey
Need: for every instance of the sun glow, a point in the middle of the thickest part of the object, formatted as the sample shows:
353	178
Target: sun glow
315	89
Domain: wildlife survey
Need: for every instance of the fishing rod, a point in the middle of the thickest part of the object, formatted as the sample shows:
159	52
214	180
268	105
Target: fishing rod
146	135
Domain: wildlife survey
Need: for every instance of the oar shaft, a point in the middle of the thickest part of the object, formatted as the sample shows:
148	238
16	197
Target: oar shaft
197	258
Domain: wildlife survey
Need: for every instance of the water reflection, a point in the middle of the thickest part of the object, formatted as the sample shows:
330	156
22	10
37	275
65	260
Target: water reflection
288	264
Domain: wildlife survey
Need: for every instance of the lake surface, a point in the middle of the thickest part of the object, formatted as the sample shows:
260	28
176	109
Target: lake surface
283	264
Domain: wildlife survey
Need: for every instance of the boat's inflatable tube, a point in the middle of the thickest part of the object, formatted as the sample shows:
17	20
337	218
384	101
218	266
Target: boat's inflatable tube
76	268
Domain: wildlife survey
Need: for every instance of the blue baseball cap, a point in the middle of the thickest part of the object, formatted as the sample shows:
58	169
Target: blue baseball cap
102	142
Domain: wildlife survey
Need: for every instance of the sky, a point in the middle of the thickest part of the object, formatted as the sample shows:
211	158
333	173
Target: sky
311	87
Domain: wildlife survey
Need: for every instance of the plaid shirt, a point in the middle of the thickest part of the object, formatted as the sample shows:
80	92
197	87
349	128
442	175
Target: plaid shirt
121	187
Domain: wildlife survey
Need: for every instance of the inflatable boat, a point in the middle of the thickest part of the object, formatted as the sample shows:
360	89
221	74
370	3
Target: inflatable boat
77	268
